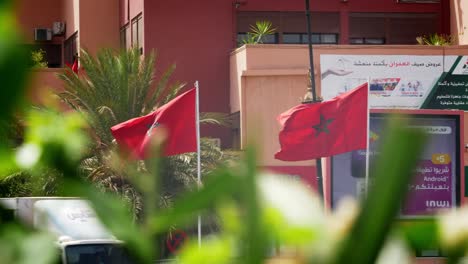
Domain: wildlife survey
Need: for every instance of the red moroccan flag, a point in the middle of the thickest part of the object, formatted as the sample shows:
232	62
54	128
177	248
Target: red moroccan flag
177	117
74	67
324	129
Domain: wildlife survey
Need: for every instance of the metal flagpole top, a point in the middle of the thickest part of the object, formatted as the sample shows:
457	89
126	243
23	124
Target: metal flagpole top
311	95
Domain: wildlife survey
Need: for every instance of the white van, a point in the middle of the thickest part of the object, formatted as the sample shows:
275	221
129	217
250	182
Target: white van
81	237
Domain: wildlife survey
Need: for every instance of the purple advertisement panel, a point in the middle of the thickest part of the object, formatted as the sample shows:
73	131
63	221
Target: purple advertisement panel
434	184
431	188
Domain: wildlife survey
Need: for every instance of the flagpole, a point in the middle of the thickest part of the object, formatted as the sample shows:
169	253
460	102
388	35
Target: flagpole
311	96
197	118
367	138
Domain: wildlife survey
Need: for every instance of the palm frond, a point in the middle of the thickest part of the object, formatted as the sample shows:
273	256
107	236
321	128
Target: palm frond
258	32
117	83
215	118
435	40
171	93
105	109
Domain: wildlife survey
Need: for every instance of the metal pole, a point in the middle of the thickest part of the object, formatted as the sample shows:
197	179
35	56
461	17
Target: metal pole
197	120
311	54
367	139
314	99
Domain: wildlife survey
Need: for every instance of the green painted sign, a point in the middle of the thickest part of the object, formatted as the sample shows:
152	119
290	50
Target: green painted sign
451	89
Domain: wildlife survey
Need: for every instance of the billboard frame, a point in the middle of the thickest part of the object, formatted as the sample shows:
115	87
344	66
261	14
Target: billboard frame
459	166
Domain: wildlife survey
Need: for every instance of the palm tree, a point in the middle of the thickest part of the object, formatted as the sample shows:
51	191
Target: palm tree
113	87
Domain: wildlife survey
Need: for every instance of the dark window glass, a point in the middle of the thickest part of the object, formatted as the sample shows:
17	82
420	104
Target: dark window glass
137	32
134	33
316	38
97	253
391	28
140	33
356	41
292	38
70	49
367	41
123	36
329	38
374	41
241	36
268	39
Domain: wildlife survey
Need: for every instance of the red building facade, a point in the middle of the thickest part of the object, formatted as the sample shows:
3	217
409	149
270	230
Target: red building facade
199	36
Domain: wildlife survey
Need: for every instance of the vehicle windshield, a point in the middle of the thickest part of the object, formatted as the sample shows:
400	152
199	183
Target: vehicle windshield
97	254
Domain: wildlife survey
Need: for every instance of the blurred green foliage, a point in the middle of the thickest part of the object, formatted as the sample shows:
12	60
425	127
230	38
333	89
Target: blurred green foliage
38	59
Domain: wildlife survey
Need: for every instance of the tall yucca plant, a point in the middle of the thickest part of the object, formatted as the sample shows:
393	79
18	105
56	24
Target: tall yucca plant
435	40
114	87
259	32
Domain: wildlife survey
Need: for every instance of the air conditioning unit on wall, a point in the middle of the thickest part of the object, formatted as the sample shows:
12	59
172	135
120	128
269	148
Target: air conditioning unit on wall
42	34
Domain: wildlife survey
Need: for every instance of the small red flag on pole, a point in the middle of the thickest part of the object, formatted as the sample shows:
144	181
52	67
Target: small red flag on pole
74	66
177	117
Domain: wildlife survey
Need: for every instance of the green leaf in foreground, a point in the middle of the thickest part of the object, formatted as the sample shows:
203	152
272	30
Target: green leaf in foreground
393	172
116	217
13	63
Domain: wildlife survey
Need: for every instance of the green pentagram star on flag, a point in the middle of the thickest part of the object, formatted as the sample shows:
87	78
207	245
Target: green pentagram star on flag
322	126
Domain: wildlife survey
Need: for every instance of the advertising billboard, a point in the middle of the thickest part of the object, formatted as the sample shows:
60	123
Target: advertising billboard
451	89
399	81
436	179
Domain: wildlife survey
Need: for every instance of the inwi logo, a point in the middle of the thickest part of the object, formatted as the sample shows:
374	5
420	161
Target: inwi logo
438	204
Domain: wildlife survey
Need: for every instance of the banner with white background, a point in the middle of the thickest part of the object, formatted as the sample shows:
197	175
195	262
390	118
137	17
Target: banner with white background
396	81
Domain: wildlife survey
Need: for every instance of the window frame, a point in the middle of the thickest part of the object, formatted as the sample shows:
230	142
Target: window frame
303	38
367	41
137	32
70	48
123	35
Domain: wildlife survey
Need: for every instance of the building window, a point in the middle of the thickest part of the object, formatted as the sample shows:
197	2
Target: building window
241	37
124	36
70	49
52	53
137	32
390	28
134	33
326	38
367	41
291	26
268	39
316	38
